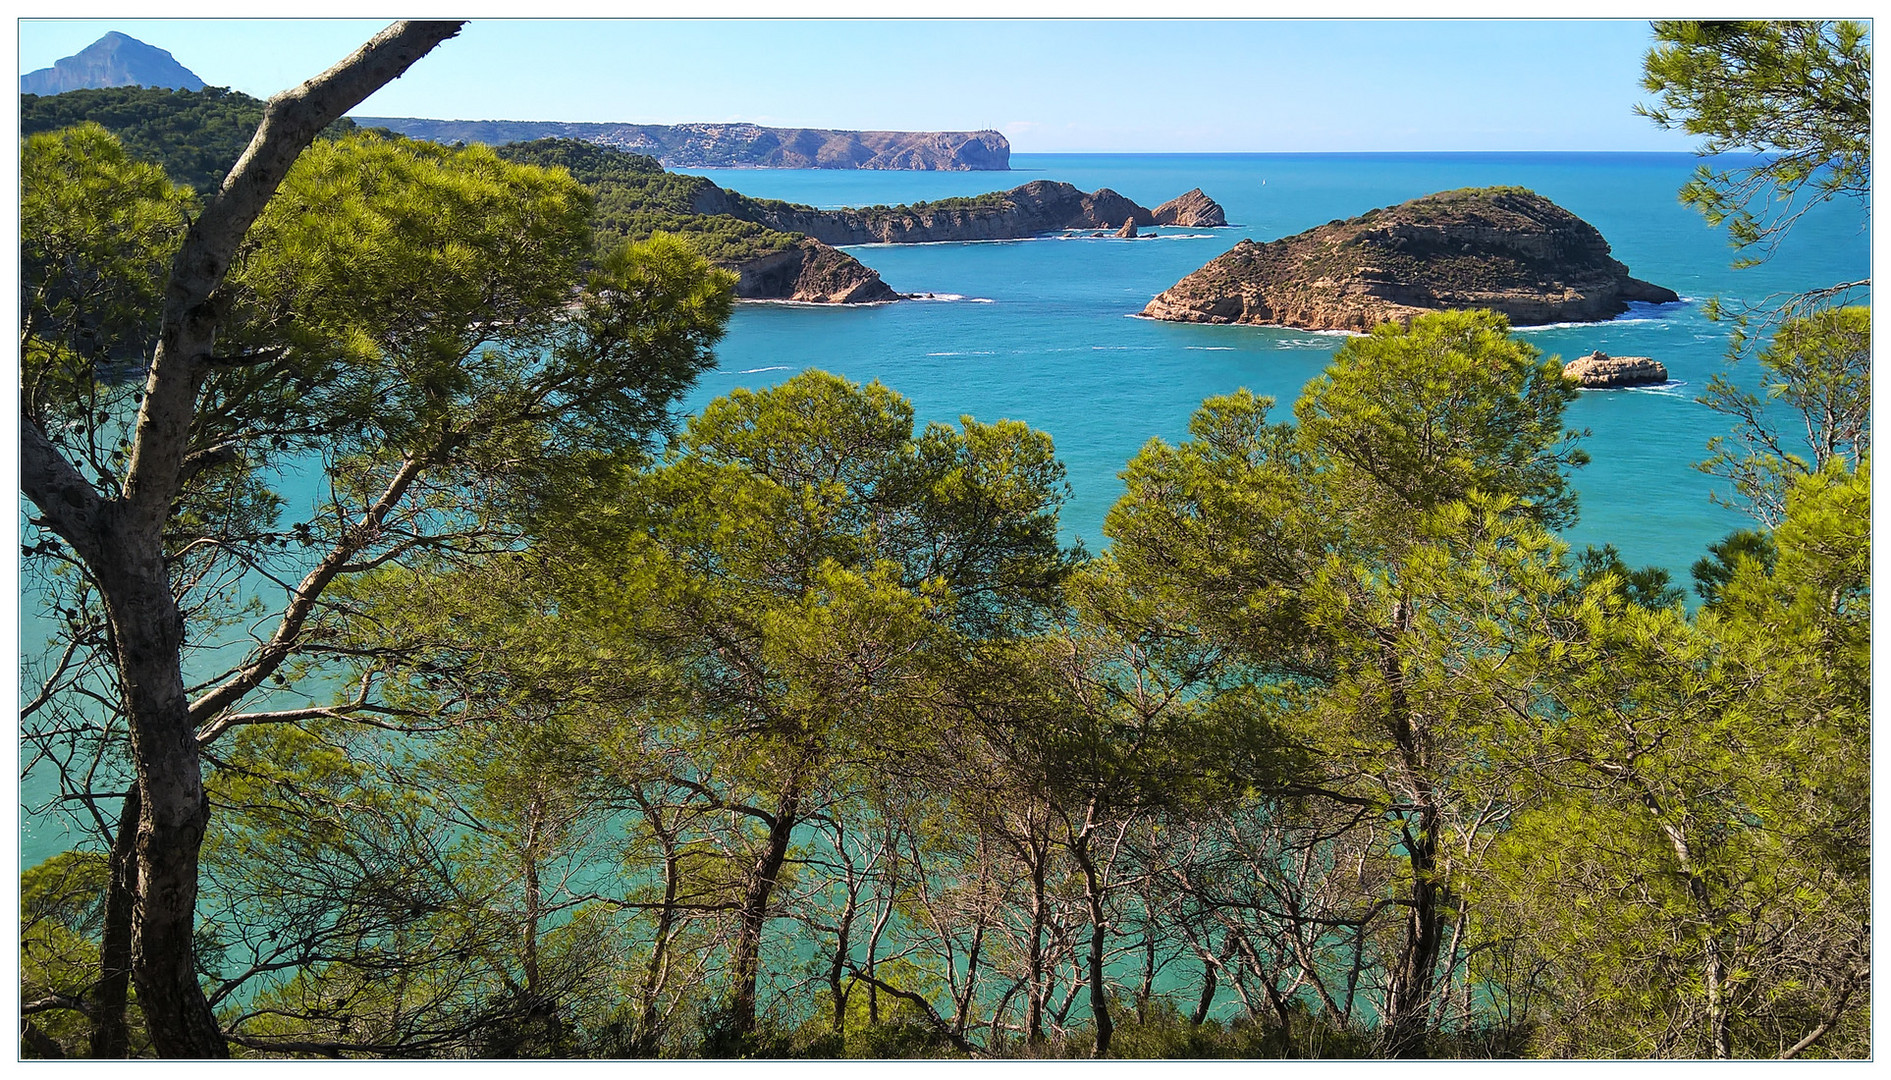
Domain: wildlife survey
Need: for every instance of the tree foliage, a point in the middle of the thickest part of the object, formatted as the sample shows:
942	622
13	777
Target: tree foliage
442	345
195	135
636	199
1797	91
1818	366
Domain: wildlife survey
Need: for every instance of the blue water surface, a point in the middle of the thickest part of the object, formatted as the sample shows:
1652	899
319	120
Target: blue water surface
1044	330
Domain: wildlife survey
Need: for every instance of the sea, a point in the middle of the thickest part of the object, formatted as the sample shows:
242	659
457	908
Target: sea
1046	330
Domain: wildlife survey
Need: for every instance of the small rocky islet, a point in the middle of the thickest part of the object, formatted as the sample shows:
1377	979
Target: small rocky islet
1600	371
1507	249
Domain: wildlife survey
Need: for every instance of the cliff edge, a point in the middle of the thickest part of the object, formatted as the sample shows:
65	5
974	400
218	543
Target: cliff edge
1033	209
734	146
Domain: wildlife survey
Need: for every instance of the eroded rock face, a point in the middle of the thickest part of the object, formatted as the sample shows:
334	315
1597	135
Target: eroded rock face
1506	249
813	273
1191	208
1128	231
1600	371
717	146
1033	209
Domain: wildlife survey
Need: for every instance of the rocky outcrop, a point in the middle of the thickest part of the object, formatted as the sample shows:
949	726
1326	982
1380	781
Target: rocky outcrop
1507	249
727	146
813	273
1191	208
1128	231
113	60
1600	371
1033	209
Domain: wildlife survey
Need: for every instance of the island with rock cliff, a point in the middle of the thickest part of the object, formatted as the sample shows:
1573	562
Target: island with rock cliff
1034	209
787	251
635	198
1503	248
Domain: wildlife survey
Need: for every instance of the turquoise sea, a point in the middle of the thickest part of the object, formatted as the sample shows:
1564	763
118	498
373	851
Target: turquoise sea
1044	330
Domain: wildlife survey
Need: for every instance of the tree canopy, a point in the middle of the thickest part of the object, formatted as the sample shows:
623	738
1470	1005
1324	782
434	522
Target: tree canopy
195	135
1796	91
276	336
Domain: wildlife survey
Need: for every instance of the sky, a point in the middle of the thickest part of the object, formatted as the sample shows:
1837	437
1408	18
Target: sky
1051	86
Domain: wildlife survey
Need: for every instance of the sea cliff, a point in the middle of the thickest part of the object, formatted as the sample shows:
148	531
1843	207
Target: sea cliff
732	146
1033	209
813	273
1507	249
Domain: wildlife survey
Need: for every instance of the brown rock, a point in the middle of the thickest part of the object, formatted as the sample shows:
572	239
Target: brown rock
1191	208
1506	249
1128	231
1600	371
813	273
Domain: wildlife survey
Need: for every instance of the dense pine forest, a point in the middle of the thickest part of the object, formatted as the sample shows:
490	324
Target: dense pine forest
417	682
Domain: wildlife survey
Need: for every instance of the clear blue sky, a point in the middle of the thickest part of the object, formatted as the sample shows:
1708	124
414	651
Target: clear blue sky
1049	85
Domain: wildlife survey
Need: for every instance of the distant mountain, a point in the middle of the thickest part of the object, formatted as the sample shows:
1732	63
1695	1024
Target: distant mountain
113	60
726	146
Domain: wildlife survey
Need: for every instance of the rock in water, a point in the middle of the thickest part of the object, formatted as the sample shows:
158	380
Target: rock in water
1128	231
1191	208
1504	248
1033	209
812	273
1600	371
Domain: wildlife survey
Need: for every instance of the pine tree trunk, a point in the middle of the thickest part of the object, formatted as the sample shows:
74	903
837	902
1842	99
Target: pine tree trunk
1099	930
111	1035
1408	1013
1408	999
754	914
173	810
121	537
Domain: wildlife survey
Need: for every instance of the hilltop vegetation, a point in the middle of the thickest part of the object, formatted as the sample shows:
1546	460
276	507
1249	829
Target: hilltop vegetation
196	135
637	199
1503	248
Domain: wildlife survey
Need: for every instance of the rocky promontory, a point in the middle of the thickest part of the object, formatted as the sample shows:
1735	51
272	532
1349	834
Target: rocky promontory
1033	209
1600	371
813	273
1504	248
731	146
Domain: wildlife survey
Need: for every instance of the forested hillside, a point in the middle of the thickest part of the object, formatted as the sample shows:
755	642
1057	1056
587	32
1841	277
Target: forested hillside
196	135
414	680
636	199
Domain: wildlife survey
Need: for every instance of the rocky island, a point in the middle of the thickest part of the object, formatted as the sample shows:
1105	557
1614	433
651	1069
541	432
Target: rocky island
1600	371
1504	248
1033	209
734	146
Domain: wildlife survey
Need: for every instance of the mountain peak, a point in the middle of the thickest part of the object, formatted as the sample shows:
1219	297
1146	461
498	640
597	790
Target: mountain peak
113	60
